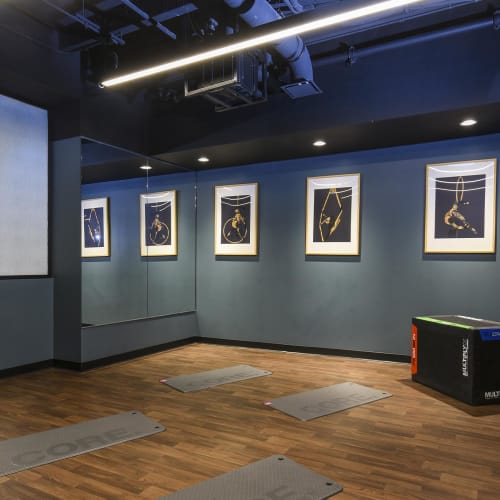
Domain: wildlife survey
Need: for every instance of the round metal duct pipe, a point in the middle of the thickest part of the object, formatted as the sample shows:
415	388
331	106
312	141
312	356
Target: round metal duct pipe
291	49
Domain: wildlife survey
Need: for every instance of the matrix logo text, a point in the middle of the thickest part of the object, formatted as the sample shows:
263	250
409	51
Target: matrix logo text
492	395
465	357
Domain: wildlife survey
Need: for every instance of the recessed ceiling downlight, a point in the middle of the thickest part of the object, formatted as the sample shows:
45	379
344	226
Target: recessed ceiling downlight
319	143
203	159
468	122
146	167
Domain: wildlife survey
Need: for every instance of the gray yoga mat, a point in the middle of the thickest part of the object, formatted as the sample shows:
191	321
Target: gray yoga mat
32	450
276	477
320	402
212	378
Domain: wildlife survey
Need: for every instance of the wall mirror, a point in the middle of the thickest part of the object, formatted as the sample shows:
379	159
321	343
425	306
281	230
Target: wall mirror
137	236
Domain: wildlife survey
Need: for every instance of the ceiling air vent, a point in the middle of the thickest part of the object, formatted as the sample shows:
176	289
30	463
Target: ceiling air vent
229	82
304	88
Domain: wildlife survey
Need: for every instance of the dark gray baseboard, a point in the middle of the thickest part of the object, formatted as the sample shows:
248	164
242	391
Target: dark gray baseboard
379	356
126	356
31	367
89	365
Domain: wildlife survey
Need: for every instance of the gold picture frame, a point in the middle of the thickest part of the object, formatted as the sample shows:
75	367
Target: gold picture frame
235	223
95	227
332	214
460	207
158	224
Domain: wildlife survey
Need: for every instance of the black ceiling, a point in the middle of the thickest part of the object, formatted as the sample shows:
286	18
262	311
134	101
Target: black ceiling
405	78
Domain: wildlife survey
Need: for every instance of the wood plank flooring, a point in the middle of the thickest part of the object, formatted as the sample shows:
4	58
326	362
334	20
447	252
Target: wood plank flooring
417	444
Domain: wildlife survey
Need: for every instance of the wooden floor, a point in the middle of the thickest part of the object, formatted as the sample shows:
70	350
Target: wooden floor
416	444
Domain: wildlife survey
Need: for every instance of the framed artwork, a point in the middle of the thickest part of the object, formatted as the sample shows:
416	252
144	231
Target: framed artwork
158	228
95	227
460	207
235	227
332	215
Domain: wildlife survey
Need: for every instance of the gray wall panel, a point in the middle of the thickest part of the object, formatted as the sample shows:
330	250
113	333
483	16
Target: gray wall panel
26	321
363	303
65	248
111	340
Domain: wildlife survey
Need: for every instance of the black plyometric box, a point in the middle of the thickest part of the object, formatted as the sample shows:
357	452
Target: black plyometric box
457	355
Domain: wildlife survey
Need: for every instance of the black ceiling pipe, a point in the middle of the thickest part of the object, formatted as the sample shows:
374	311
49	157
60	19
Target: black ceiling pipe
354	53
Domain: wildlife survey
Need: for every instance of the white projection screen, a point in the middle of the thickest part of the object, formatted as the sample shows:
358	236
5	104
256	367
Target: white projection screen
23	189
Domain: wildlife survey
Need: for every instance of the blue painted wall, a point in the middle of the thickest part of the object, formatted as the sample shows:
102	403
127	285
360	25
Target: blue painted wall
127	286
281	296
26	321
363	303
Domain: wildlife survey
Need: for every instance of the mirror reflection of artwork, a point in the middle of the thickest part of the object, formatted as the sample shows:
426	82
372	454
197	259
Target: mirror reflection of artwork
332	214
460	204
95	228
235	213
93	220
158	222
158	231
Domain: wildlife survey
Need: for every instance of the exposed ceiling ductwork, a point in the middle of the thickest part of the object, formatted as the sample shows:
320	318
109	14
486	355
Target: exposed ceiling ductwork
118	35
259	12
242	79
436	56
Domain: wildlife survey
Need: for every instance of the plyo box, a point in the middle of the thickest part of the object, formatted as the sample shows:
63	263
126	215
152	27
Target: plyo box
457	355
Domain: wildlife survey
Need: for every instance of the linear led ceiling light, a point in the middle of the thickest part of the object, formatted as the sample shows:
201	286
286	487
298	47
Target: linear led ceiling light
231	48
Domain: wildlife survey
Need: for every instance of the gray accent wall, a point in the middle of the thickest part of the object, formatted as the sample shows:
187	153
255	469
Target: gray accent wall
360	303
26	321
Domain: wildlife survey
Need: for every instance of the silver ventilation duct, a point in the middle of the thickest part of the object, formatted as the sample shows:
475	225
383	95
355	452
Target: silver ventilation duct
292	49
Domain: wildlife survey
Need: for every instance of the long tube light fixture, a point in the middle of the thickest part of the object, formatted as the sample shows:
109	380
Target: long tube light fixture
231	48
